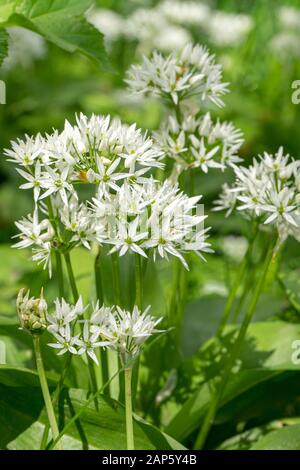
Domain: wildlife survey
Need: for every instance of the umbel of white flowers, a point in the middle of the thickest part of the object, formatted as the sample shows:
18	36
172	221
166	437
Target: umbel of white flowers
110	327
189	81
192	72
268	192
199	143
129	211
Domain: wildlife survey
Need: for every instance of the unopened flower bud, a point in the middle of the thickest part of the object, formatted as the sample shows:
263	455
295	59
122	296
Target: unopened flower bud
32	312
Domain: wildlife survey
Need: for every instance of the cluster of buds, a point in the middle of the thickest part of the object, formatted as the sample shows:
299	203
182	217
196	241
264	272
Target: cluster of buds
32	312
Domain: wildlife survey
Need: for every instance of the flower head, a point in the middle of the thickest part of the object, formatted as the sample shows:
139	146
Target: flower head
32	312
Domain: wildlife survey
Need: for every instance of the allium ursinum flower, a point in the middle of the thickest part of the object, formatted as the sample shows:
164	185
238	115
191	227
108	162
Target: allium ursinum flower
152	217
126	332
26	152
96	150
108	22
267	191
199	142
64	313
62	325
189	13
289	18
88	341
227	200
191	72
80	222
32	312
227	29
38	236
153	30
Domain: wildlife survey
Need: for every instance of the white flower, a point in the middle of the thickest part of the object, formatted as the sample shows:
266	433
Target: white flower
227	200
64	314
89	341
185	13
105	177
199	142
25	152
66	341
227	29
35	180
178	76
33	232
127	331
107	22
280	206
128	238
267	191
56	181
289	17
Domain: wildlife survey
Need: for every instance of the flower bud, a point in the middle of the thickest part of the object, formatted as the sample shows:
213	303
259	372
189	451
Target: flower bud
32	312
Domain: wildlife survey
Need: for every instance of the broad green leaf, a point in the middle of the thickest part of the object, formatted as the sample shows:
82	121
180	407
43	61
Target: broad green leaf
6	9
286	438
3	45
23	418
249	438
61	22
267	350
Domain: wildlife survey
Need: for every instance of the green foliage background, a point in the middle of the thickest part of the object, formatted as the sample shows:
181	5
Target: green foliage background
261	406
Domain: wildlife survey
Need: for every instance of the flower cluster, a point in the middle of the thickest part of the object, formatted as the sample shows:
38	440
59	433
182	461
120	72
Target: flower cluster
129	211
109	327
228	29
198	142
191	72
32	312
268	191
169	25
285	41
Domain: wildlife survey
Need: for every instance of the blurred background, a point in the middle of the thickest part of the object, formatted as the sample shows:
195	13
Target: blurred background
258	43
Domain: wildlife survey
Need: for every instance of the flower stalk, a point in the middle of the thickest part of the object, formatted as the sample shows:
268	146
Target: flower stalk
218	391
128	408
45	390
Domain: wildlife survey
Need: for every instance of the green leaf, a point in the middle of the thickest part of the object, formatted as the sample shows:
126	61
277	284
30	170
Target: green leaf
23	419
61	22
6	9
286	438
267	350
3	45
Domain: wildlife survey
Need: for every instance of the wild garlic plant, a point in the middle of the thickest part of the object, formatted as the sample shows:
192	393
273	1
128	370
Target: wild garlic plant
128	211
267	194
188	82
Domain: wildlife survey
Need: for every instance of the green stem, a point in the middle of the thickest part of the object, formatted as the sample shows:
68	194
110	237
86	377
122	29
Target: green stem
218	391
45	390
98	277
116	278
60	275
72	280
99	292
75	294
139	303
138	282
237	282
175	292
59	269
128	409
